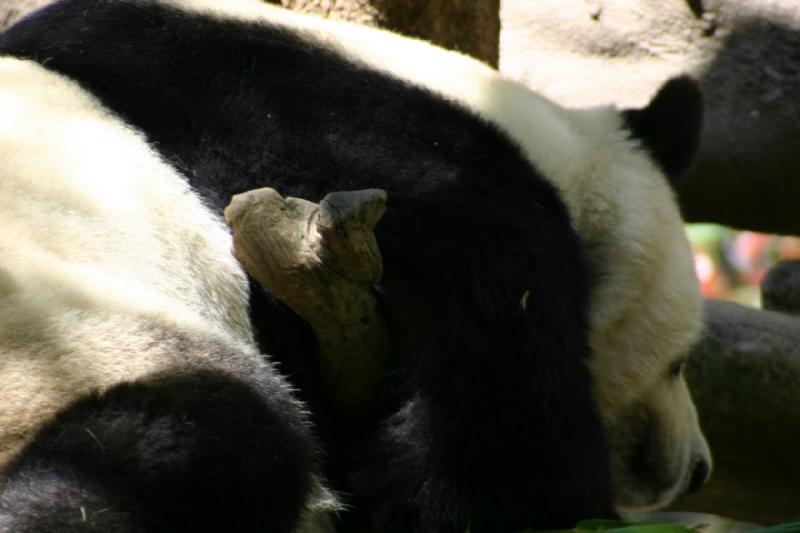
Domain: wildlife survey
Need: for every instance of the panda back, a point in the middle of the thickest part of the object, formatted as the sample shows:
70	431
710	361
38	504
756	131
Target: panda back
83	195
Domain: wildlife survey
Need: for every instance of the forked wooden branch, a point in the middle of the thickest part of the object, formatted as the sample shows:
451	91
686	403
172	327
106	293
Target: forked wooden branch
322	260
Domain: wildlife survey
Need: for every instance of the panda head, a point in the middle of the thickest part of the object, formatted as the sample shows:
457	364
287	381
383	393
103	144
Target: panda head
646	305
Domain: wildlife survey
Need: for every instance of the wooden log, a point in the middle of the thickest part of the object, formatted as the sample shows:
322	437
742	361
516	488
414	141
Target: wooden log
322	260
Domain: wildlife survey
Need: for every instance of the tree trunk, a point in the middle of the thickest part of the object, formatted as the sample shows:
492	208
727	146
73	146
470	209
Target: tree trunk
469	26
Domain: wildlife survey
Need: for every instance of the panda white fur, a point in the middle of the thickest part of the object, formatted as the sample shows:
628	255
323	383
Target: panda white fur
538	284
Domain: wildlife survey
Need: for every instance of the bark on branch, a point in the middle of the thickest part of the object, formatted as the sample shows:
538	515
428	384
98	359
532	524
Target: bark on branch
322	260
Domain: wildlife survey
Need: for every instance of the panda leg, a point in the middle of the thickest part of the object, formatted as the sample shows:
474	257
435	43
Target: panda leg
198	451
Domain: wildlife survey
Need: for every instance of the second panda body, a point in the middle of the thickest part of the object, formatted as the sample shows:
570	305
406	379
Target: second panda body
514	244
133	397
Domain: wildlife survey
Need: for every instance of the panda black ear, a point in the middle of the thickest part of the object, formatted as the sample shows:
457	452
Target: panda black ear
669	127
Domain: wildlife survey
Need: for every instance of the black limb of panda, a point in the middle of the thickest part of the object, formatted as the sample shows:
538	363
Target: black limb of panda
183	451
538	286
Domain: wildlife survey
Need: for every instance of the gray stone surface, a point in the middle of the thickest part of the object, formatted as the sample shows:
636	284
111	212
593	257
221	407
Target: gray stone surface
745	378
746	55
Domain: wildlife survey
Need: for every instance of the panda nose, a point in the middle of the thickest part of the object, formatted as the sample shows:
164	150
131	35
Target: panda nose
700	475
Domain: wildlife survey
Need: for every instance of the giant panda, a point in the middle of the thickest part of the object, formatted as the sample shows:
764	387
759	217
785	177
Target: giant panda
133	396
538	287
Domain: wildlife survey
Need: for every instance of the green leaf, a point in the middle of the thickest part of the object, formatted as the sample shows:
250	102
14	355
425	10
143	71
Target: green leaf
789	527
617	526
603	525
630	527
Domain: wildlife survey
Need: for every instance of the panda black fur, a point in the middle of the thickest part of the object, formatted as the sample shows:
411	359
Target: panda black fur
519	238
